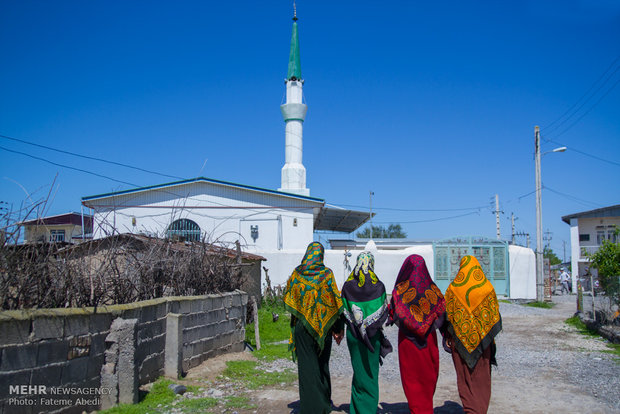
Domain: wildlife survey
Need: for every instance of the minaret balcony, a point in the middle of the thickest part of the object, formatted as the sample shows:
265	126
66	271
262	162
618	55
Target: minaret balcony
294	111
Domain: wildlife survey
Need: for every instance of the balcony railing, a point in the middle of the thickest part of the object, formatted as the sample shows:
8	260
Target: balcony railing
585	250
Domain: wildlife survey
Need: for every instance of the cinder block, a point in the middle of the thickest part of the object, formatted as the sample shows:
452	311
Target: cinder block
207	303
185	306
158	344
236	299
161	310
51	351
94	365
45	327
197	305
218	303
49	375
100	322
14	331
18	357
74	371
244	299
173	306
147	314
97	345
13	378
77	325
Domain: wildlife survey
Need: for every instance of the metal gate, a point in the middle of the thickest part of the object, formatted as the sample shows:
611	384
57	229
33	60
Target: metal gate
492	255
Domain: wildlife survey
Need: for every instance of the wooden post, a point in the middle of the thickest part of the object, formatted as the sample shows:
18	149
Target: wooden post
255	316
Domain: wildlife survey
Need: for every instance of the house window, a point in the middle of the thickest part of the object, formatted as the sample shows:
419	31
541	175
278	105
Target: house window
183	229
584	237
57	235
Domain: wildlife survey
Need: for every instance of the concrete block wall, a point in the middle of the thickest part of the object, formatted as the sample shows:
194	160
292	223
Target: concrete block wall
67	348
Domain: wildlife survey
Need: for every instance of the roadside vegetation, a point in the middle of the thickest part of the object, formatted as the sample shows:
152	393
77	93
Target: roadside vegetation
581	327
542	305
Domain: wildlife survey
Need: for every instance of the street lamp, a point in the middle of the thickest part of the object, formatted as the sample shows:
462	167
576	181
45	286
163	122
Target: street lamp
539	232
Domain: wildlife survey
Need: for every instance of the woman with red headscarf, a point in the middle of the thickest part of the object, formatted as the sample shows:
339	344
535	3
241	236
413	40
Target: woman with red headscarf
418	308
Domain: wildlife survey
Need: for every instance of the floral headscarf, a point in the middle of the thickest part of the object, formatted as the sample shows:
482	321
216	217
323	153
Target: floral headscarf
416	301
472	310
365	303
312	296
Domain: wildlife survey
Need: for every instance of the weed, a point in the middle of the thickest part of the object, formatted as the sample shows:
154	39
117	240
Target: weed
543	305
239	403
252	378
581	327
197	404
504	301
269	330
159	394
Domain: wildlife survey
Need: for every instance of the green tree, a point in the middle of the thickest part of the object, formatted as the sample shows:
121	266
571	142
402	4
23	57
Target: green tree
549	254
607	261
393	231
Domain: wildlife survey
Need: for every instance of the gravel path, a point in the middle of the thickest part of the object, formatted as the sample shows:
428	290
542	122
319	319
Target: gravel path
543	365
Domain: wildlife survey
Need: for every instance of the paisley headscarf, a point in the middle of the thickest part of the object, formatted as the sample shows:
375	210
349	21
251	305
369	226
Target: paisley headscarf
312	296
365	301
472	310
417	302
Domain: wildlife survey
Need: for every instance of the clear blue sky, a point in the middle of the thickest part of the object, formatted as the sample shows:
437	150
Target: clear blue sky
431	105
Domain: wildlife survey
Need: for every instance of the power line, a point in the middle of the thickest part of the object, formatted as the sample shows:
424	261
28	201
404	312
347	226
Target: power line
412	209
89	157
550	126
69	167
570	197
584	153
431	220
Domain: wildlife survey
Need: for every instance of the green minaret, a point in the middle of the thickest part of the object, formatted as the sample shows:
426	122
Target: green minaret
294	62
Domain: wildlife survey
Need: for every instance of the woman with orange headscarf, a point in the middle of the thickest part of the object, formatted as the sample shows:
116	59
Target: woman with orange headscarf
473	322
418	308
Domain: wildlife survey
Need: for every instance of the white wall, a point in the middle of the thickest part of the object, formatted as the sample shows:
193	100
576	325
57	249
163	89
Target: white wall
522	272
388	263
211	207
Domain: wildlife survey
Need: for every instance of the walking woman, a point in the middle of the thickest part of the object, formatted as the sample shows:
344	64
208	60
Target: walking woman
365	311
313	299
418	308
473	322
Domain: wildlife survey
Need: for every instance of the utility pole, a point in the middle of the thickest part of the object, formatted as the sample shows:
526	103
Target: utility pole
539	227
547	237
499	236
564	251
370	197
528	240
512	220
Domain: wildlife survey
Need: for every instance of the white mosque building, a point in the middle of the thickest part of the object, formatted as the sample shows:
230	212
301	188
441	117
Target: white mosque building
279	224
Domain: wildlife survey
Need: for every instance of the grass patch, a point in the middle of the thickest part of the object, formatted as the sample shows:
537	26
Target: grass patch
271	352
542	305
252	378
581	327
504	301
159	394
239	403
269	330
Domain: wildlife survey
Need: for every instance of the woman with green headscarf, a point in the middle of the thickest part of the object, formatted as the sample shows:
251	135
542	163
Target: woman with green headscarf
313	299
365	311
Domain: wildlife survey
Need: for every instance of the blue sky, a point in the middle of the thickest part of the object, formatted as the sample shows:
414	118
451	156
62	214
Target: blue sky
430	105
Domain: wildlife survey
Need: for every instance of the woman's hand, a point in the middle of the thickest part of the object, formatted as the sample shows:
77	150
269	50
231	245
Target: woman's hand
338	336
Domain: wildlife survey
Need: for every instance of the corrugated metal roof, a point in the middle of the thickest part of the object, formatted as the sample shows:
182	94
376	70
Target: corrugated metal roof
611	211
339	219
206	180
60	219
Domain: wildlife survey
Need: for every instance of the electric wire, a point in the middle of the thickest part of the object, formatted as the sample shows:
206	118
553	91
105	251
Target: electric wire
89	157
550	126
68	166
573	198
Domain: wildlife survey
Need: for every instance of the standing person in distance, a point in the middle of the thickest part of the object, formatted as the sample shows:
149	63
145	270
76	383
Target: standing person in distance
365	311
418	308
473	322
313	299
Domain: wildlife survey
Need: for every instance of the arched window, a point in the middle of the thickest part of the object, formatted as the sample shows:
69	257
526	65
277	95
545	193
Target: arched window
183	229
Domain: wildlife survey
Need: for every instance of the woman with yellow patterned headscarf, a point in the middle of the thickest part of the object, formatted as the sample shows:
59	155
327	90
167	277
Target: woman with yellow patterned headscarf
473	322
313	299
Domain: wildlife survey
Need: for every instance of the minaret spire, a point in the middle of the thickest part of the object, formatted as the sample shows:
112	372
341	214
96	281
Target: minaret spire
294	113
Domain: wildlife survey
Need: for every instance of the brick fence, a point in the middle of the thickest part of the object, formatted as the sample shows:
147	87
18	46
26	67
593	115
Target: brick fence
75	360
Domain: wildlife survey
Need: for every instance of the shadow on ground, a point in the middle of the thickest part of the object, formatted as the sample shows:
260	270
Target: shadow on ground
448	407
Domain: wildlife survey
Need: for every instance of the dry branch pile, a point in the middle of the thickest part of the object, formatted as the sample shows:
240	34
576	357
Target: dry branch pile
117	269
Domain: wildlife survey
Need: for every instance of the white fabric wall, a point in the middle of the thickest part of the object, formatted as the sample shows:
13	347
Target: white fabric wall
522	272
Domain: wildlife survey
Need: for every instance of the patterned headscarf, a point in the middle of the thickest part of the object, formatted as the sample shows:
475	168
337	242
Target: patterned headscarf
416	300
472	310
312	296
365	303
